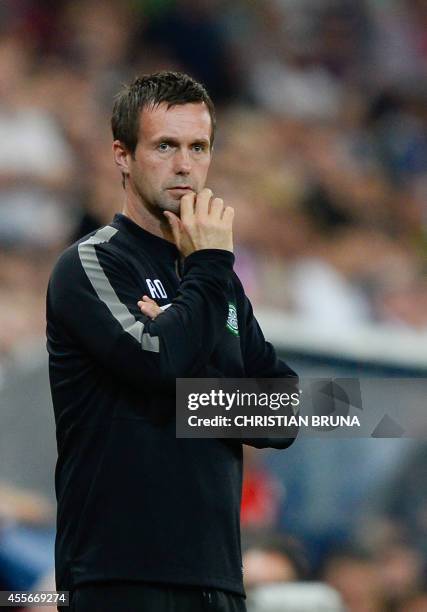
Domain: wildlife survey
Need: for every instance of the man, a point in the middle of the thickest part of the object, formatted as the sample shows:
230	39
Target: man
147	521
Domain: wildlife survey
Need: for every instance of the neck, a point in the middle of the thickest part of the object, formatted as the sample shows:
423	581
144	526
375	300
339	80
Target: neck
139	213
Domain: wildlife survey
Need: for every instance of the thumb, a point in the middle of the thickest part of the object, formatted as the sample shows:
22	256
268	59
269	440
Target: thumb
175	225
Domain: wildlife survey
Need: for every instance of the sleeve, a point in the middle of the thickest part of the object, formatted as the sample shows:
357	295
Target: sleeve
261	361
93	295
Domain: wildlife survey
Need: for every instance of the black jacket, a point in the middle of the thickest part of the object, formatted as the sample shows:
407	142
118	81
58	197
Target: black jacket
135	502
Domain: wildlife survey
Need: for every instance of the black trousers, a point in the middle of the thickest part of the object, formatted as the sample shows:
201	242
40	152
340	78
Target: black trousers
144	597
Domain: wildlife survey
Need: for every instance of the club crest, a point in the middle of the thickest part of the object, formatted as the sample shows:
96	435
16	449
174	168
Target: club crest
232	323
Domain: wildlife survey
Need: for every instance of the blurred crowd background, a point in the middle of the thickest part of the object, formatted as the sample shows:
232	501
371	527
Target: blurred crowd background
322	151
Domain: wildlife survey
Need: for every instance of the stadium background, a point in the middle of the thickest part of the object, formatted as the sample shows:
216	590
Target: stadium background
322	150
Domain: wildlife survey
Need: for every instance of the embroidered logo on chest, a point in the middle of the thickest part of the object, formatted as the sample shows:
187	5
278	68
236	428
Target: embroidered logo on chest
156	288
232	323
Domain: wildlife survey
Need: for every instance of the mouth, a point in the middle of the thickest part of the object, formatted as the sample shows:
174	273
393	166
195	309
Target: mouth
180	190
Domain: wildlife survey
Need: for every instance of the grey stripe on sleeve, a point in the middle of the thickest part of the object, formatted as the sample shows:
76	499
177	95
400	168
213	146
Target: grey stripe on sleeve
106	293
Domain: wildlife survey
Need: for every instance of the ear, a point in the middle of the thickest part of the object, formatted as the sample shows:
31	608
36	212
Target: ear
121	157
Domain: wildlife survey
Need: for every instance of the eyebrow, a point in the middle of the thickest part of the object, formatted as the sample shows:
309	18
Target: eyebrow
174	141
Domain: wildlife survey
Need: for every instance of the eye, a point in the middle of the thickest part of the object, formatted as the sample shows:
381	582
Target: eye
198	148
163	146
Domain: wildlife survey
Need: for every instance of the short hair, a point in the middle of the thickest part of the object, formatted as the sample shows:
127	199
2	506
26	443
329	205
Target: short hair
150	90
282	544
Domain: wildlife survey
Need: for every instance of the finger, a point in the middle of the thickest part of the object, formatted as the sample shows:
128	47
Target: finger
228	214
187	207
150	310
202	202
145	298
144	306
175	225
217	207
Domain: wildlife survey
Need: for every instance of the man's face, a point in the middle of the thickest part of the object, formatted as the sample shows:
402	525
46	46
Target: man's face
173	154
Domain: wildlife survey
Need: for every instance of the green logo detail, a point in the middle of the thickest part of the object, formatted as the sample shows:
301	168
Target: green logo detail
232	323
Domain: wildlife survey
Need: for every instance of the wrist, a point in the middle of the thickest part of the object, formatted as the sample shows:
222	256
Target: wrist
219	258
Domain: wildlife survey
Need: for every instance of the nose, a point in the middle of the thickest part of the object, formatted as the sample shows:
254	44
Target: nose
182	162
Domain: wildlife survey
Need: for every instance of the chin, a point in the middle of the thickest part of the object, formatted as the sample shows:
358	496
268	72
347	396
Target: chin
172	206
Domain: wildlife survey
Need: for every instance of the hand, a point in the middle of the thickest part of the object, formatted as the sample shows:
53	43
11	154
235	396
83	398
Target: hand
204	224
149	307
